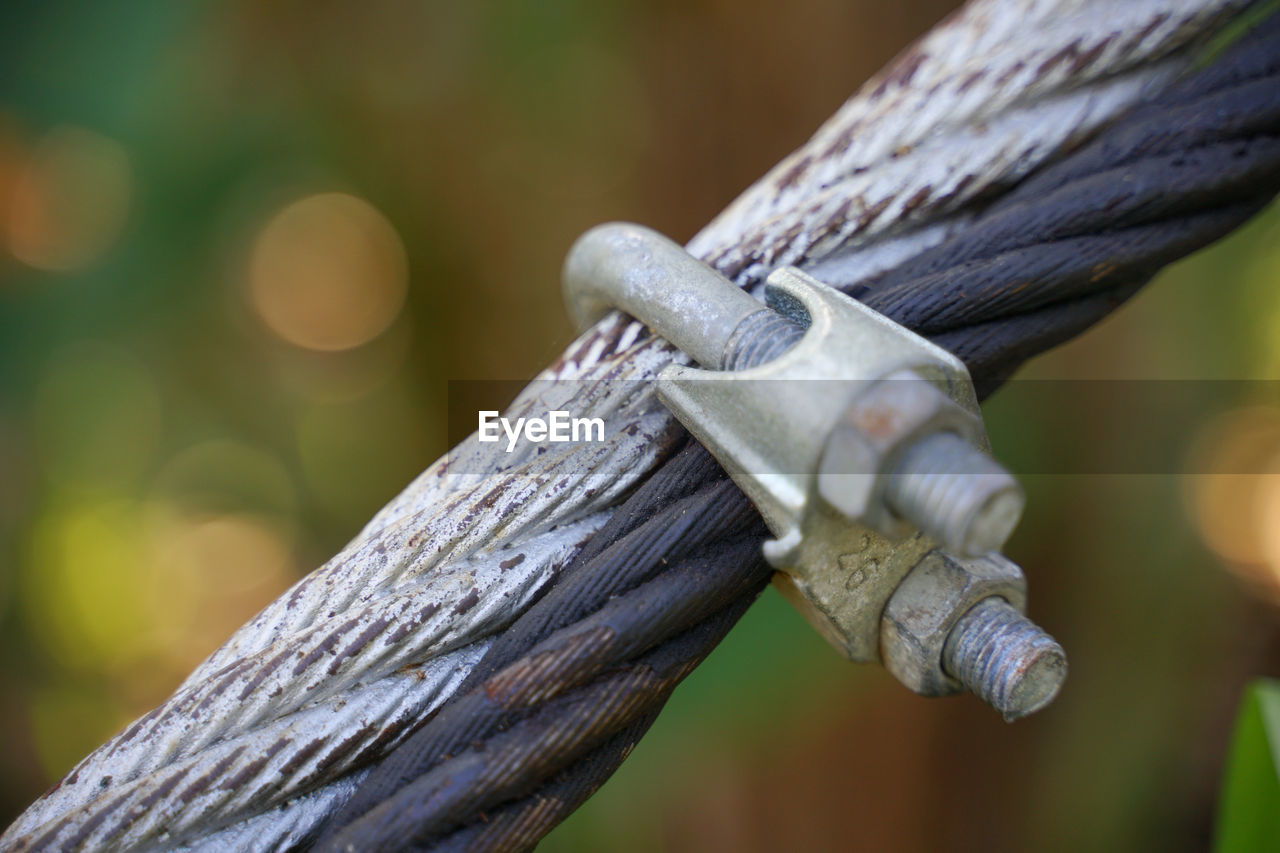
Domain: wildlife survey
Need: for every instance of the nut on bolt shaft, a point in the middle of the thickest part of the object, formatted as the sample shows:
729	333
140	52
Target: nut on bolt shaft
956	623
941	483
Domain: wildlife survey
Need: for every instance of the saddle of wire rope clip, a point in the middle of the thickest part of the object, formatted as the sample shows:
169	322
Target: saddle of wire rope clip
862	445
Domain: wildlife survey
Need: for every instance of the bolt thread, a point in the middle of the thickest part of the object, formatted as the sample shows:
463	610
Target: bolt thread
954	492
1005	659
759	338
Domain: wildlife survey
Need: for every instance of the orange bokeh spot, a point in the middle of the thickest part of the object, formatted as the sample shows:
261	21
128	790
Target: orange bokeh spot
1236	501
68	201
328	273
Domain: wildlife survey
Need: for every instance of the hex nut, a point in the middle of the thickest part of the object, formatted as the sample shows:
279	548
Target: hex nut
928	603
881	423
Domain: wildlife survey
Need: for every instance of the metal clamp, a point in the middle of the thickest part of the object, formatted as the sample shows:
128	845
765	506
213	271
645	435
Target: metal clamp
862	445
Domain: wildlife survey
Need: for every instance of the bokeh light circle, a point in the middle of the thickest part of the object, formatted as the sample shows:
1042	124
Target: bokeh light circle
1234	496
328	273
69	201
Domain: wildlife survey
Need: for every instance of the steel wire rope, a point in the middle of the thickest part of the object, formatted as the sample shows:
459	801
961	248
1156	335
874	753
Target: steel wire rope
276	729
1038	266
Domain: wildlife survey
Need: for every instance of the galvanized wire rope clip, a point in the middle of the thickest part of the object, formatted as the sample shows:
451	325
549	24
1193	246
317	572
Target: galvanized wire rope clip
862	445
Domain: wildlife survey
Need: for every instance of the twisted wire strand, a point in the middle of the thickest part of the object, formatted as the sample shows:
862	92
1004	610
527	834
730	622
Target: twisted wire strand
905	148
655	536
519	824
574	723
596	648
1073	242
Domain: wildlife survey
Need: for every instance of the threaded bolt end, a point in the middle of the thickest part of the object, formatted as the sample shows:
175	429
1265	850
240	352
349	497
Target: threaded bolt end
1005	659
957	494
759	338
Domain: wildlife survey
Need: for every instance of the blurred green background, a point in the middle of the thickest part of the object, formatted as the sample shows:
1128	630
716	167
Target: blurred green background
245	245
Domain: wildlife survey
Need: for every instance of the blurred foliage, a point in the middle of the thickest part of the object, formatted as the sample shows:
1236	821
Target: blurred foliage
1249	814
244	247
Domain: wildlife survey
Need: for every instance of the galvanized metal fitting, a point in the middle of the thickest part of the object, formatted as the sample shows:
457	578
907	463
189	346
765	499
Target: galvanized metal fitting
880	399
924	609
956	624
860	442
931	474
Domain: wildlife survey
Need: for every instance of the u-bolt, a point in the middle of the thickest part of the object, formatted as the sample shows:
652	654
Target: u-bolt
656	281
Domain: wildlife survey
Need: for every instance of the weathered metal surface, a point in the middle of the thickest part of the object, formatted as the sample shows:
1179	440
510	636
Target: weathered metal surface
956	493
337	670
975	104
770	425
1023	676
827	407
998	89
927	605
637	270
